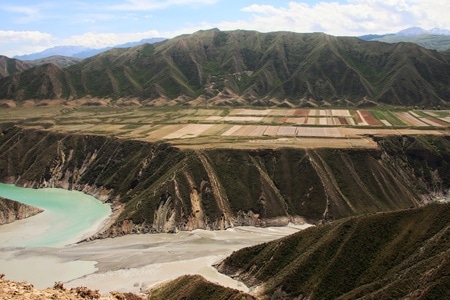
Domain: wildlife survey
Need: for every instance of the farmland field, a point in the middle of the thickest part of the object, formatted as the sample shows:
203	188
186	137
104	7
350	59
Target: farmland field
236	128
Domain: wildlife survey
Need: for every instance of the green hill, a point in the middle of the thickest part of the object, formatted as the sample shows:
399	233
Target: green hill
9	66
248	68
195	287
395	255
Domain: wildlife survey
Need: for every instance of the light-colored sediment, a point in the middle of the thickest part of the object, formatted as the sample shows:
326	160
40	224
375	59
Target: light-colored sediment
134	263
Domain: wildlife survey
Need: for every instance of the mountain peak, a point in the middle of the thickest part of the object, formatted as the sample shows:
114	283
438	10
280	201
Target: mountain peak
414	31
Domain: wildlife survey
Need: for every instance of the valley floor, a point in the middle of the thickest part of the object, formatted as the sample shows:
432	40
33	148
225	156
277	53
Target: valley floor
236	127
134	263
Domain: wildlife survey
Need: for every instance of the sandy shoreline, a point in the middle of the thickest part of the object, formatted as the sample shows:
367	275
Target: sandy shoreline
134	263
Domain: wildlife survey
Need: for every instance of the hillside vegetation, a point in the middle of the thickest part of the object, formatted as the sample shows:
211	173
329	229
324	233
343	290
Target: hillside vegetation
9	66
247	68
195	287
155	187
396	255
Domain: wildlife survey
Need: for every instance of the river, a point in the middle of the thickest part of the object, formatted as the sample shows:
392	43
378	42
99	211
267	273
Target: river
41	249
68	217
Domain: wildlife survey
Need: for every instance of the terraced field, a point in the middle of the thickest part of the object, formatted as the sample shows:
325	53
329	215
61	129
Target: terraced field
237	128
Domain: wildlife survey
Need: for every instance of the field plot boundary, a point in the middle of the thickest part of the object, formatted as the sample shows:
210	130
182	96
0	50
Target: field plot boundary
232	130
236	127
189	131
410	119
254	112
332	132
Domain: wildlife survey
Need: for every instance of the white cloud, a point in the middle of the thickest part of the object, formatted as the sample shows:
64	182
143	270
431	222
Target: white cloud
355	17
22	42
9	36
156	4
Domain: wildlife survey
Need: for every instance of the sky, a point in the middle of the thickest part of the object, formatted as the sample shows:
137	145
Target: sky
30	26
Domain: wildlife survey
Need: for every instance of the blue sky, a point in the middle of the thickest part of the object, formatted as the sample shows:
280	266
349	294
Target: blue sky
28	26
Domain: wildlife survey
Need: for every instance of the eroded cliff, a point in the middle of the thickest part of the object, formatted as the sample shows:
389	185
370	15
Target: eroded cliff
155	187
11	211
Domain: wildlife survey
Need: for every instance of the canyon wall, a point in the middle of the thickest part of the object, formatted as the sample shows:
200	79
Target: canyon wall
155	187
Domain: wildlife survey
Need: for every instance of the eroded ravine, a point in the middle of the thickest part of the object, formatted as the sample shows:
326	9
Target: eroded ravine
154	187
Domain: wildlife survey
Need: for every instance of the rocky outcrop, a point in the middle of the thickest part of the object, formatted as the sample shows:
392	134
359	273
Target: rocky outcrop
11	211
155	187
13	290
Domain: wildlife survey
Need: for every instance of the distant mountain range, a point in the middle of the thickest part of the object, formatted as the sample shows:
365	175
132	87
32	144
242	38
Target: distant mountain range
434	39
439	40
247	68
81	51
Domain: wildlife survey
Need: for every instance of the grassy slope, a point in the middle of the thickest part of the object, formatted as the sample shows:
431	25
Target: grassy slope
10	66
383	256
251	68
195	287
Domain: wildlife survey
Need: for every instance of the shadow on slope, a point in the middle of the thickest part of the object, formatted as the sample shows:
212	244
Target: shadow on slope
379	256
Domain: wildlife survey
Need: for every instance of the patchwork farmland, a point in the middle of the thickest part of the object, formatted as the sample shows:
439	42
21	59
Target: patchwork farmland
247	128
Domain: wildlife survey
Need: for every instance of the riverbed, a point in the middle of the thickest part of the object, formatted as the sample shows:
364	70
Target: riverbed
131	263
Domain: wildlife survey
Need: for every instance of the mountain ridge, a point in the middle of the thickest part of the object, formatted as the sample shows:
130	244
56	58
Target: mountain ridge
434	39
394	255
9	66
251	68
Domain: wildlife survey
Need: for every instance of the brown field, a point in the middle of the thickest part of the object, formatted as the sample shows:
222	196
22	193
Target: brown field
271	130
298	121
369	118
343	121
188	131
311	121
301	112
244	130
232	130
359	119
433	122
410	120
238	128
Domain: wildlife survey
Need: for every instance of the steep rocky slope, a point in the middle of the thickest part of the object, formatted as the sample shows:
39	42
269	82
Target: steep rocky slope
11	211
155	187
9	66
248	68
395	255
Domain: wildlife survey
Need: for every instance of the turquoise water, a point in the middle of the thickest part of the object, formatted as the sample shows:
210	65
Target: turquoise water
68	217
